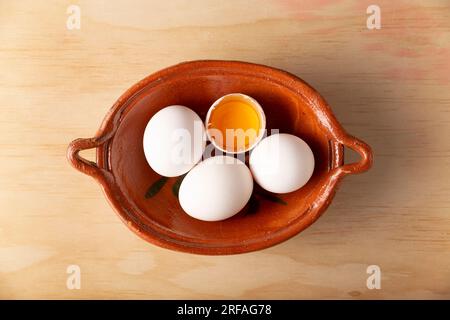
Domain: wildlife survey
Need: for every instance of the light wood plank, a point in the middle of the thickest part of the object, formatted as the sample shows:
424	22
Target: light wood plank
391	87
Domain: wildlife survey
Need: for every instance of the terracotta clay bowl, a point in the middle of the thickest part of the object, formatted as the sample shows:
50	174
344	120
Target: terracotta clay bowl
290	105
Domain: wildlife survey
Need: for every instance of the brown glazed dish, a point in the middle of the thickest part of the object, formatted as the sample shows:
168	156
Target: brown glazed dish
290	105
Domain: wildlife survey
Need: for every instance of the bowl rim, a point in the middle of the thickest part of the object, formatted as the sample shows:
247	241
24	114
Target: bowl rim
100	169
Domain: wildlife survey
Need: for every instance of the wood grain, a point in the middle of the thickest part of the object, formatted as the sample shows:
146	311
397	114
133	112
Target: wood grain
391	87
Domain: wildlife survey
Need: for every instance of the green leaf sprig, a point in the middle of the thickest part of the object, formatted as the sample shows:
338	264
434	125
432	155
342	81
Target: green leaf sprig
156	187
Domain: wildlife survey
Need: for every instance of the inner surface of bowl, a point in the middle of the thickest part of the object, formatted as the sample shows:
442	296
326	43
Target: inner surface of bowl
285	110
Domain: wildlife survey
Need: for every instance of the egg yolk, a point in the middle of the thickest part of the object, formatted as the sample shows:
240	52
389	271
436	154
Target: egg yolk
237	123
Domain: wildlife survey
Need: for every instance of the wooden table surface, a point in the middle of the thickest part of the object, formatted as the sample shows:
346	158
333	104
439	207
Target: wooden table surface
390	87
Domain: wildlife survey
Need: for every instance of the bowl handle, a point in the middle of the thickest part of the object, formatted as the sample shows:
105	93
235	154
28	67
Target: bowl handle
83	165
363	149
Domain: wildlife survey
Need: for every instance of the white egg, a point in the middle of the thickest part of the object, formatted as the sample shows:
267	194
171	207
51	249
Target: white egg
282	163
216	189
174	140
